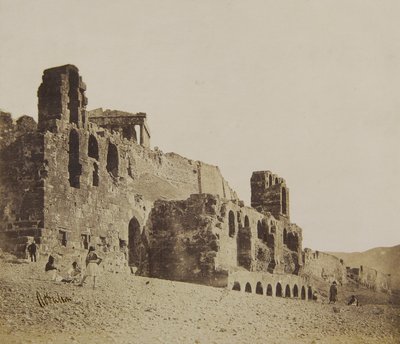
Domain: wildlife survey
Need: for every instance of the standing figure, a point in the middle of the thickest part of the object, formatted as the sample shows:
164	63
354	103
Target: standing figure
32	248
92	266
333	293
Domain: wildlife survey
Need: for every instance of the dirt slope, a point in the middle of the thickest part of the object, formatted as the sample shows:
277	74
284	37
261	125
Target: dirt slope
130	309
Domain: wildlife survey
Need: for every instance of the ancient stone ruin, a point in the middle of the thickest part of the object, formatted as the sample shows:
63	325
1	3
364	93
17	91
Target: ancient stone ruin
79	178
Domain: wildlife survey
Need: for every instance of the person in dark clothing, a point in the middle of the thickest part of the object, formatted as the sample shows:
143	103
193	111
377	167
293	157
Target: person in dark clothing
32	248
333	293
50	264
51	270
353	301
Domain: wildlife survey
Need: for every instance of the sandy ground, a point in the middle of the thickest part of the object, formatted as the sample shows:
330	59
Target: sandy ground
130	309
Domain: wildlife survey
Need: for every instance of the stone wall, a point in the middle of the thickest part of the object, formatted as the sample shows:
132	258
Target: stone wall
205	238
275	285
370	278
83	184
22	173
324	266
83	178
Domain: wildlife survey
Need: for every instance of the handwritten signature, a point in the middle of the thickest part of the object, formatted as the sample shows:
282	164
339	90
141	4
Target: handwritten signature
47	299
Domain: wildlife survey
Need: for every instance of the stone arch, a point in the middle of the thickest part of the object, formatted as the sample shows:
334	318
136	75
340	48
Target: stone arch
236	286
285	236
248	288
231	221
246	222
309	296
93	147
292	241
243	242
95	175
259	288
284	202
287	291
278	292
270	240
260	232
269	290
276	180
112	160
73	95
134	241
74	167
295	291
303	293
270	180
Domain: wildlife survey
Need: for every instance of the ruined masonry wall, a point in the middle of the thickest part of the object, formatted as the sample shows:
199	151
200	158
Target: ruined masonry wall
22	171
324	266
205	238
374	279
106	210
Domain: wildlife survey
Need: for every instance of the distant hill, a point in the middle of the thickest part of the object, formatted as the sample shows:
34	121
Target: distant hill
383	259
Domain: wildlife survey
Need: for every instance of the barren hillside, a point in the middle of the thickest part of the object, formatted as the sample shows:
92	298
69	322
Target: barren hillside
384	259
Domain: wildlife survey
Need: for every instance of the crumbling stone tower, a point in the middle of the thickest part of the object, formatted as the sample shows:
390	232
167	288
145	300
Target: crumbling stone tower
270	194
61	97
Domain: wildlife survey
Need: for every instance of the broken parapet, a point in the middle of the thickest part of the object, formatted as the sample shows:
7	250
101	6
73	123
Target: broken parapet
269	194
10	129
61	97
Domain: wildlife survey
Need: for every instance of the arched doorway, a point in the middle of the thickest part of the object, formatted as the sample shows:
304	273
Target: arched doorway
73	96
134	234
248	288
309	293
236	286
259	288
231	221
260	232
287	291
93	148
303	293
269	290
244	247
278	290
74	167
112	160
284	204
295	291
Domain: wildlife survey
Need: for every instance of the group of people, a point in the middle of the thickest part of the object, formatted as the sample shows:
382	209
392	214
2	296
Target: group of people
333	296
75	274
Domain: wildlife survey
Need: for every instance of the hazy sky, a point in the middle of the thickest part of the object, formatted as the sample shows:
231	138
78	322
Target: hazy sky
306	89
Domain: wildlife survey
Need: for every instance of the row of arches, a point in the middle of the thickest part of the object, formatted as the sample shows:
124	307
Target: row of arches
74	166
277	291
262	226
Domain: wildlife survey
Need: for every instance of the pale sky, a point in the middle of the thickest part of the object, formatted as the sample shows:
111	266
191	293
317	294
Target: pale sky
306	89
